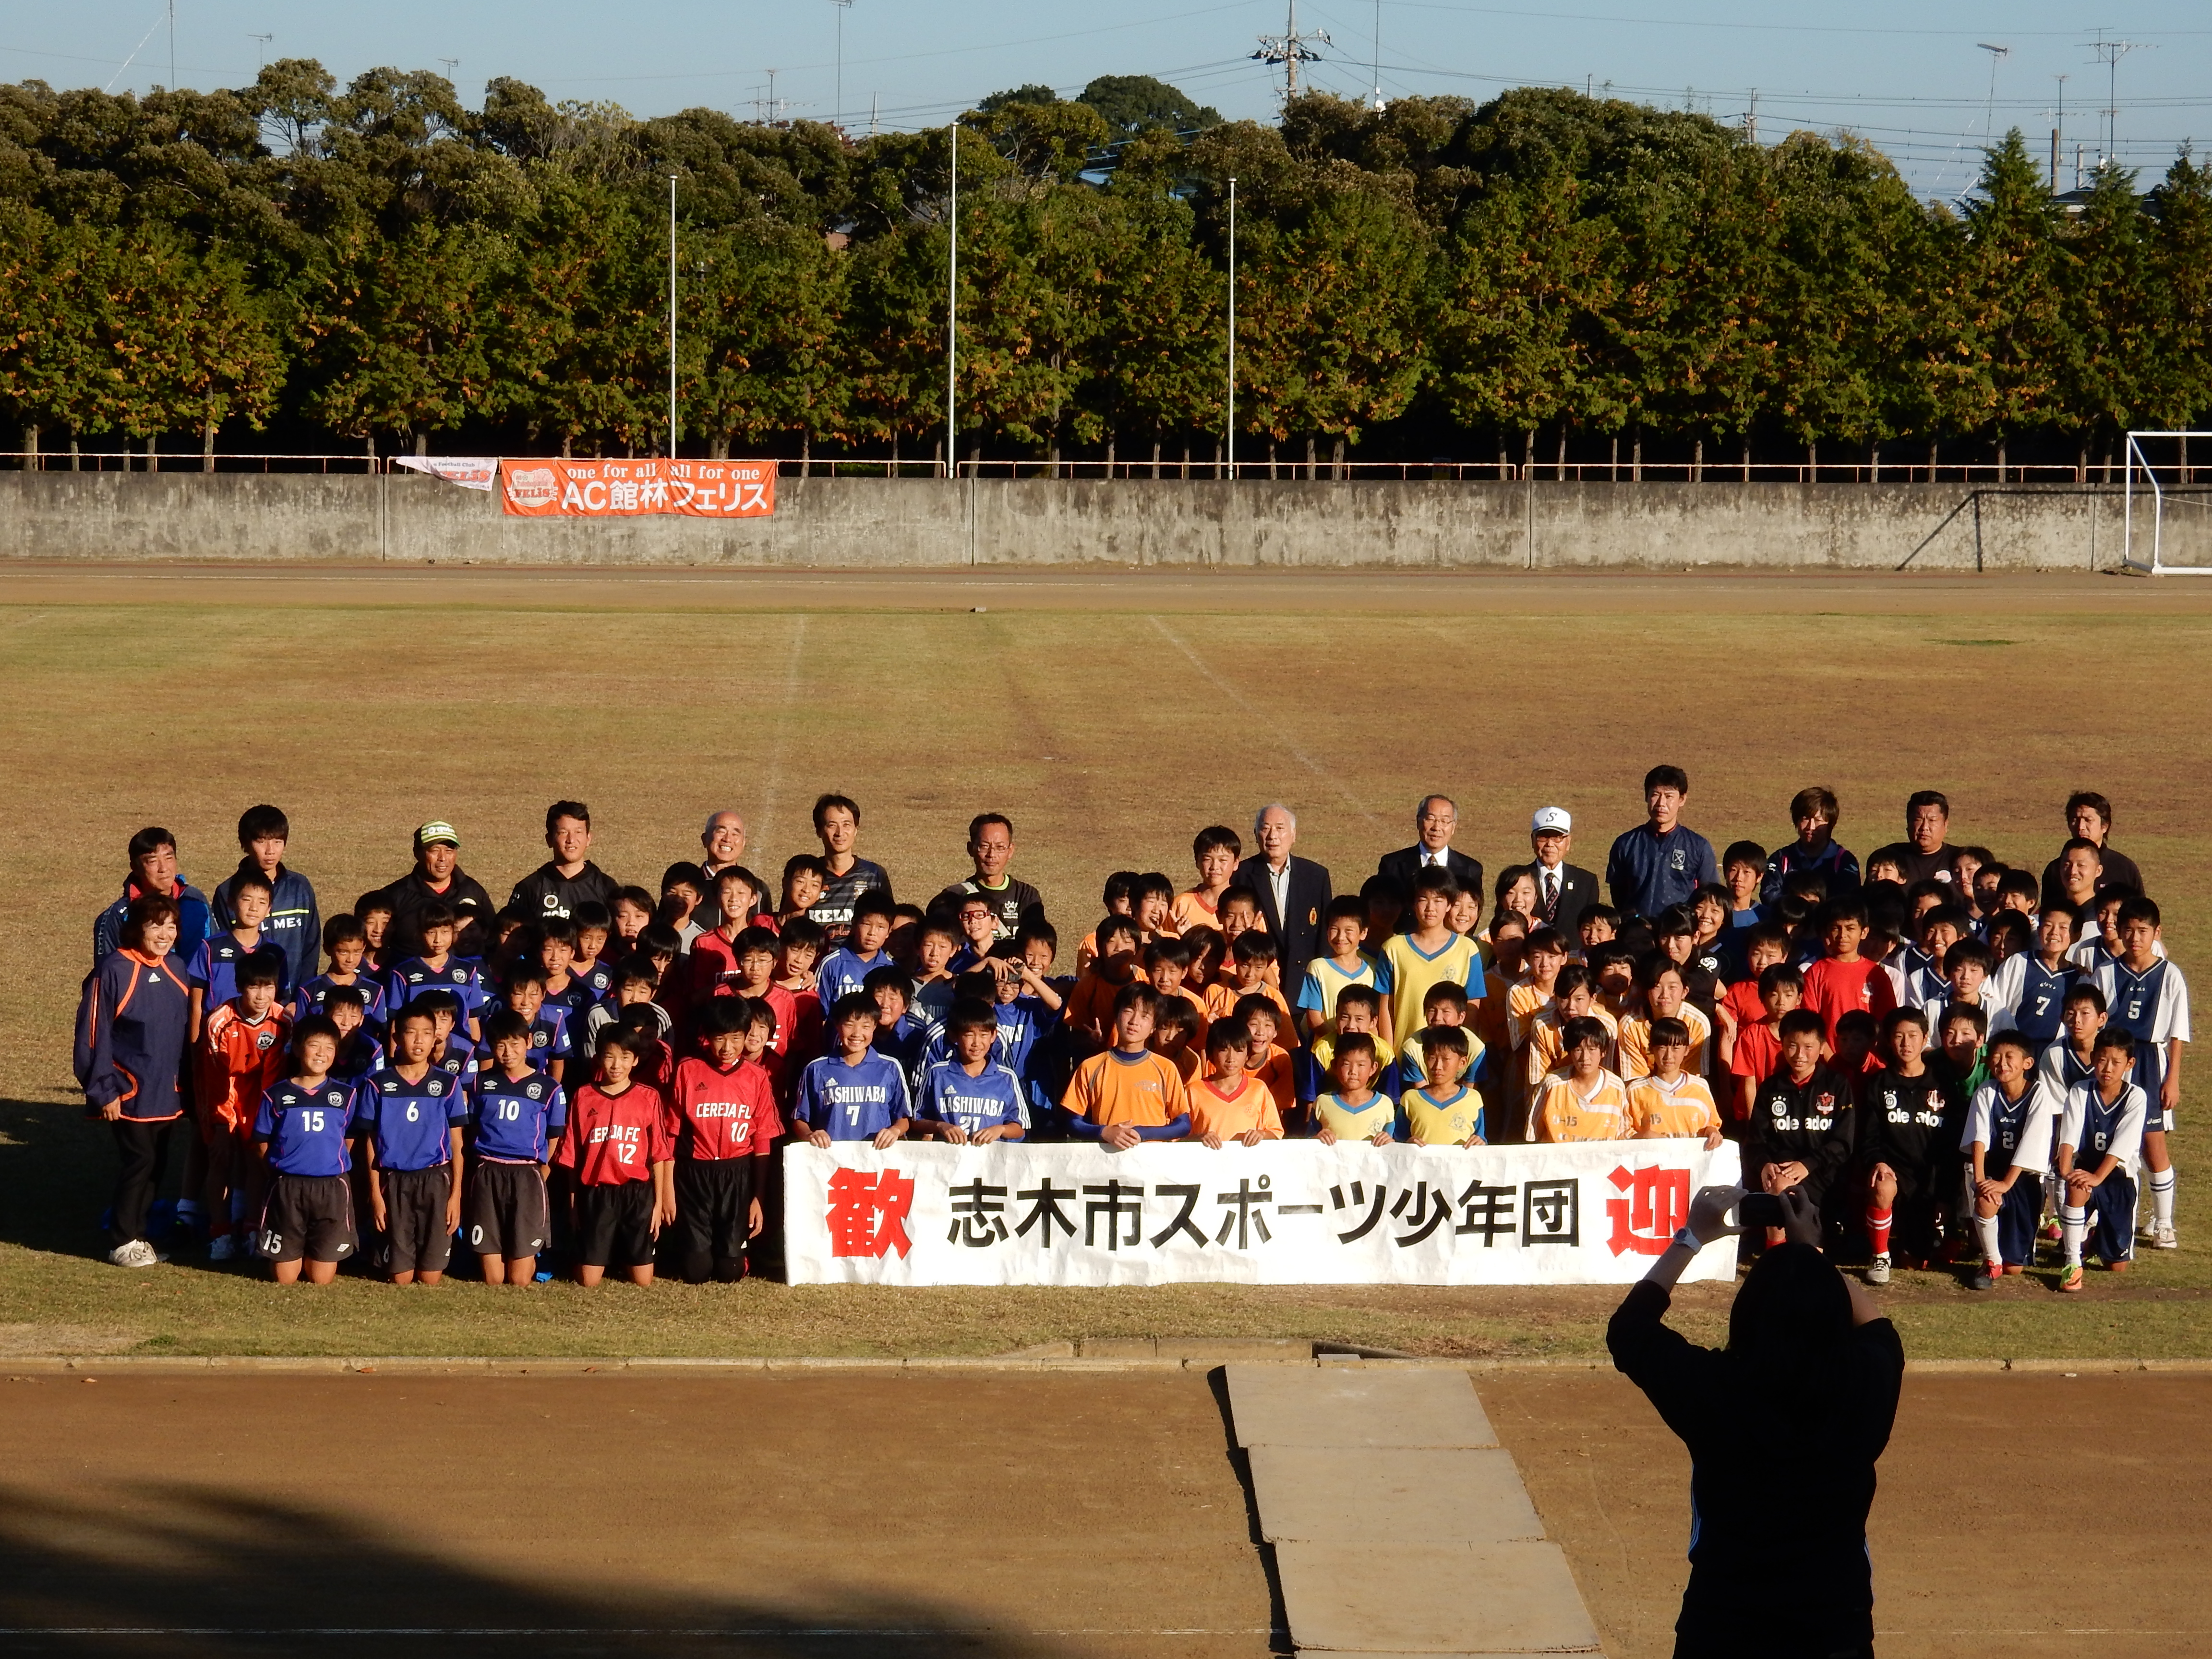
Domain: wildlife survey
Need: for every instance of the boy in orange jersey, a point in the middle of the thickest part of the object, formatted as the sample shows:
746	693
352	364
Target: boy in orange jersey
1231	1104
1127	1094
1671	1101
1266	1059
1252	970
241	1053
1177	1036
1587	1103
1088	1015
1216	852
1167	965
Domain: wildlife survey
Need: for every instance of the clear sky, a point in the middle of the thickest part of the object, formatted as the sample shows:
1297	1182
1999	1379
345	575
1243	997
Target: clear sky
1912	77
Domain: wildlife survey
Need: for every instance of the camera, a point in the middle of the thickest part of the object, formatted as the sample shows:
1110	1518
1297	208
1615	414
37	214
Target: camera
1762	1210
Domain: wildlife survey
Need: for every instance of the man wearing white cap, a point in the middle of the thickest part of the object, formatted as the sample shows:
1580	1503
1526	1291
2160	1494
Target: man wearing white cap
1564	891
437	875
1436	820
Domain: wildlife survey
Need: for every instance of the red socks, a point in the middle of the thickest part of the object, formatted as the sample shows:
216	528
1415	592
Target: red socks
1877	1224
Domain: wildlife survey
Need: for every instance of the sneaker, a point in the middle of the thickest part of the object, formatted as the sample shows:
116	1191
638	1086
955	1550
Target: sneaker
2162	1237
2052	1232
2071	1279
2012	1267
1878	1271
222	1248
1987	1279
137	1254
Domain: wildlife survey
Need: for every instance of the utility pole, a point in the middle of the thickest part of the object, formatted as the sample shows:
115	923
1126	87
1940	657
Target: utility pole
1232	433
2109	53
1751	118
261	56
1290	49
874	98
842	6
672	316
1378	57
952	315
172	45
2058	132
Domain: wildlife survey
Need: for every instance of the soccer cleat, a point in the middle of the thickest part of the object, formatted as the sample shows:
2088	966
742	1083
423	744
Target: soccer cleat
2162	1237
1878	1271
2071	1279
1988	1279
2052	1232
137	1254
222	1248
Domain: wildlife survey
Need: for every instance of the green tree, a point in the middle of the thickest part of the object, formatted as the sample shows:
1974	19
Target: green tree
2013	322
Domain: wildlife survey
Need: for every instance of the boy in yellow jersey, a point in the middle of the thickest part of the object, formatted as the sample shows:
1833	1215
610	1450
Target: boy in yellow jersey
1216	851
1231	1104
1351	1110
1671	1101
1666	996
1446	1112
1127	1093
1431	954
1572	999
1358	1008
1589	1102
1546	955
1445	1005
1343	925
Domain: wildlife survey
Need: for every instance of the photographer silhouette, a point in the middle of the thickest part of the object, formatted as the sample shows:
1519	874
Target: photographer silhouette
1783	1426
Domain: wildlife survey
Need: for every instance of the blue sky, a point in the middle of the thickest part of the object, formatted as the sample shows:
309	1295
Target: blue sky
1913	78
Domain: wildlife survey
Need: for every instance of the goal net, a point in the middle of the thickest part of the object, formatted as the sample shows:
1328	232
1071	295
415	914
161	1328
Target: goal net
2167	499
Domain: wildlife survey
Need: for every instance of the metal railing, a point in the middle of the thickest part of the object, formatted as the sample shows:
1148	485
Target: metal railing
185	460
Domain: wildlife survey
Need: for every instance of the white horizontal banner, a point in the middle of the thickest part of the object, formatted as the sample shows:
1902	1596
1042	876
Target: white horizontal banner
1283	1212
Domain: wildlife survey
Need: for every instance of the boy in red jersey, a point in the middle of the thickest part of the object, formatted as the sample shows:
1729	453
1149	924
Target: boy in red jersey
723	1110
241	1056
619	1147
1844	981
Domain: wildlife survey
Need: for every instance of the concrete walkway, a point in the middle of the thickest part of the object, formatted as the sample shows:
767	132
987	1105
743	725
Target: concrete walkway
1398	1524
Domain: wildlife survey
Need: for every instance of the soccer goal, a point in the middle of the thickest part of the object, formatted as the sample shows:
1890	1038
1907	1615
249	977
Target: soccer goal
2167	502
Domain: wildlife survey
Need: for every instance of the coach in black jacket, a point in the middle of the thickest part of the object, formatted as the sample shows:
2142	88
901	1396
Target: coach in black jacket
437	875
569	879
1564	891
1435	822
1293	892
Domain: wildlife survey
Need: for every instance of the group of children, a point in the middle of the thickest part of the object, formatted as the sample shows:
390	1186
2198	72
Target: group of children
1950	1061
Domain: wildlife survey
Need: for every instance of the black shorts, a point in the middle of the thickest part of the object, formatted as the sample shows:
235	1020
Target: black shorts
505	1212
308	1217
714	1207
415	1237
614	1224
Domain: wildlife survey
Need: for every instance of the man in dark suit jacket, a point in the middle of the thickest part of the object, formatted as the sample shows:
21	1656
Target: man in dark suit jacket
1435	820
1564	891
1293	892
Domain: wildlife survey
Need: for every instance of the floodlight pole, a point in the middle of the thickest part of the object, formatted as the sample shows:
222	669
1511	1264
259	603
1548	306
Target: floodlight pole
952	315
1232	328
672	316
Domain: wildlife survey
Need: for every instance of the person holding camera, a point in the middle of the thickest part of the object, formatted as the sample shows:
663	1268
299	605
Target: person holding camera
1783	1426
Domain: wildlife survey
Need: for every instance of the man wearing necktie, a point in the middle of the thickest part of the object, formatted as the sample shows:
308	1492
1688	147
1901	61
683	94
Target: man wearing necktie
1436	820
1564	891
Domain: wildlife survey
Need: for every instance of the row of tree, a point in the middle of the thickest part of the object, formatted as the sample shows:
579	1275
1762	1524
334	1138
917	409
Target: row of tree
380	261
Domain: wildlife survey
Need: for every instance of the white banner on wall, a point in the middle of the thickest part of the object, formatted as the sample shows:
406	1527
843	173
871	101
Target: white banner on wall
1283	1212
471	472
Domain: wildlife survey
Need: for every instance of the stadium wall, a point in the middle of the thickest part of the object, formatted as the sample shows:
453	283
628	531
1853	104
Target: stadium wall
877	523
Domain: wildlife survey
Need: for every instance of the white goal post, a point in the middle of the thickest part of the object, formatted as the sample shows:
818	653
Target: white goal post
2167	510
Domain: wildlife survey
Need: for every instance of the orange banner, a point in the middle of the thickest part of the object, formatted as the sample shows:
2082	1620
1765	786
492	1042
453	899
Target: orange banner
623	489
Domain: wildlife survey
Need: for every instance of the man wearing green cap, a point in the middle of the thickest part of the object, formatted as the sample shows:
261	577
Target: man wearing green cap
437	875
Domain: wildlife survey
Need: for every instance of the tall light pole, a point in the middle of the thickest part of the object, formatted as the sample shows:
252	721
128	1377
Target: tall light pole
952	315
172	45
1232	328
672	316
842	6
1998	55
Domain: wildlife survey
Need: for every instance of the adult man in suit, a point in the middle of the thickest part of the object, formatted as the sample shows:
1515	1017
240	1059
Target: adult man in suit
1564	891
1292	891
1435	821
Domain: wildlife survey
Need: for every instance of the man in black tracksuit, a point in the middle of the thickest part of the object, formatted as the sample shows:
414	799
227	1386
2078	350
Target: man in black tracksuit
569	879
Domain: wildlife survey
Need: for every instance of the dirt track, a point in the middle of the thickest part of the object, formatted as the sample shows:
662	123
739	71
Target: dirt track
971	1513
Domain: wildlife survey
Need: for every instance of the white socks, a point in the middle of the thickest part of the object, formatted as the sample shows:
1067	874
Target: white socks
1986	1227
2077	1225
2161	1197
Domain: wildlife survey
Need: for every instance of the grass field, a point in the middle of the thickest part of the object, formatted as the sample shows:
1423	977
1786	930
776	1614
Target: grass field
1112	715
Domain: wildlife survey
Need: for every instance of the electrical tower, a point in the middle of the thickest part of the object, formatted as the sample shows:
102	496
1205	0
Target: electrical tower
1290	49
2109	53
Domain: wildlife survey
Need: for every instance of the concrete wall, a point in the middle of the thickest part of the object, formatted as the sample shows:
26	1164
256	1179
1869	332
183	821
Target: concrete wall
909	523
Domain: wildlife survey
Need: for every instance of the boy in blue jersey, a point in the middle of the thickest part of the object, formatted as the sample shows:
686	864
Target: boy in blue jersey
411	1114
2149	1000
898	1034
2008	1147
452	1053
438	968
345	941
973	1100
854	1094
550	1045
212	975
359	1052
2071	1059
2034	983
933	978
594	926
2099	1140
556	953
845	968
301	1132
519	1112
